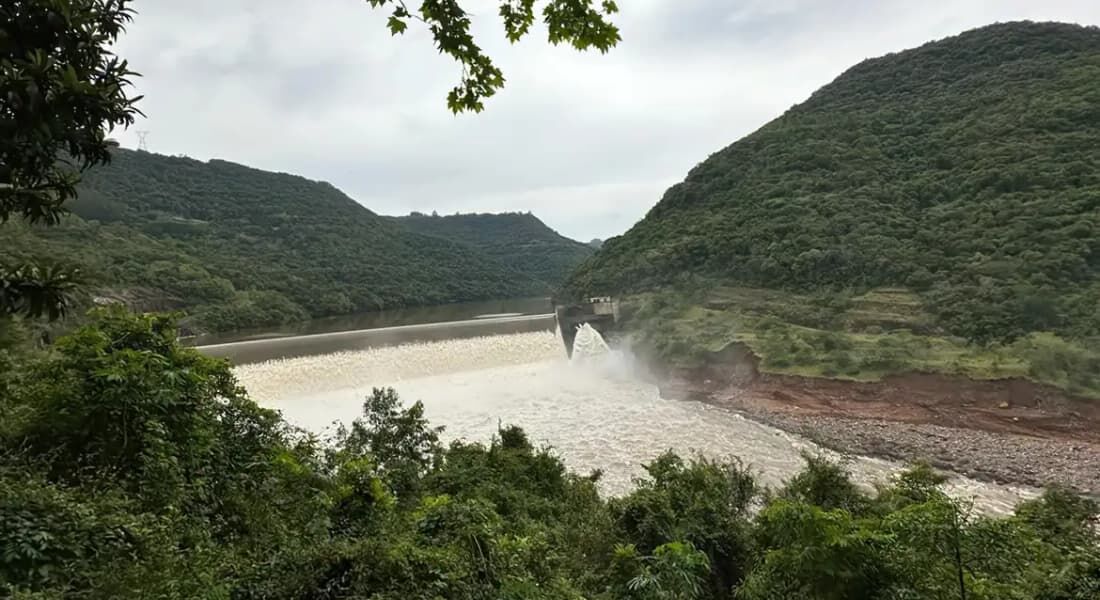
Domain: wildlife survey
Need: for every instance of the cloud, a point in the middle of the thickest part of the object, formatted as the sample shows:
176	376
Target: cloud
588	142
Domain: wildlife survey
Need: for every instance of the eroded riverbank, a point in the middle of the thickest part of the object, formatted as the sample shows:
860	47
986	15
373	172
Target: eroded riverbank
1007	431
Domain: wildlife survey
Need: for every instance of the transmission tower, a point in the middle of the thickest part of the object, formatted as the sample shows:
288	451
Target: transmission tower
142	145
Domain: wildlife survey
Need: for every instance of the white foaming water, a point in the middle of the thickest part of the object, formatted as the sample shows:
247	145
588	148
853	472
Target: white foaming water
595	412
277	380
588	343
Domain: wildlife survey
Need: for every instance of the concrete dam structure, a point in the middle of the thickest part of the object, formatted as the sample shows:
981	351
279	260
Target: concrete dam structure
600	313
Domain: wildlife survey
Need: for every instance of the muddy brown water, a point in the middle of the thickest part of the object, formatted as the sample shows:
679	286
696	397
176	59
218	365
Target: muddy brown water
598	411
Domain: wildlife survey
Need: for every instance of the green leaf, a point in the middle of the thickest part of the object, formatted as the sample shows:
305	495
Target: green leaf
396	25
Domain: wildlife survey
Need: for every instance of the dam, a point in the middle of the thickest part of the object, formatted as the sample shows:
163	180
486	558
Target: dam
597	410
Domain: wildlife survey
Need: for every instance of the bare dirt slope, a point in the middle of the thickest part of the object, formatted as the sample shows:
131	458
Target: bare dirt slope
1010	430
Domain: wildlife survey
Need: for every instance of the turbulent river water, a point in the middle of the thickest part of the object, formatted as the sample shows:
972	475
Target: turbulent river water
597	411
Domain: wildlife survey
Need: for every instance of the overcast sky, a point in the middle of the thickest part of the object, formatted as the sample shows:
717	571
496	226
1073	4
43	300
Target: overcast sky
587	142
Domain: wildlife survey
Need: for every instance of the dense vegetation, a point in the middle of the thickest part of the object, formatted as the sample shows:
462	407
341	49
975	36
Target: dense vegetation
519	240
966	170
61	90
239	247
131	467
842	336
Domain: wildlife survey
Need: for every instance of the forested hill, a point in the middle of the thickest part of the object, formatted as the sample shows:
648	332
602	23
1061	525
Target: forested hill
519	240
967	170
238	247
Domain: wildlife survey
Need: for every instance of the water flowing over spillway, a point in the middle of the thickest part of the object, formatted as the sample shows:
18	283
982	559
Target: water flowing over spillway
588	343
596	411
358	371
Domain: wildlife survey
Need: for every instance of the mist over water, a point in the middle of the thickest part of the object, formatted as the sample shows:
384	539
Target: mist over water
596	411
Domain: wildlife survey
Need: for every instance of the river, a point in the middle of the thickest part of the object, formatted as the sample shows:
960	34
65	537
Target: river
597	411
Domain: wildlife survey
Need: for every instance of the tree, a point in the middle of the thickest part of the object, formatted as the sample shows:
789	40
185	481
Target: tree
580	23
36	290
700	502
401	443
676	571
61	90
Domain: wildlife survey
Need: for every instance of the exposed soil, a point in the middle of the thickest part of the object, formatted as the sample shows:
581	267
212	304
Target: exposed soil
1010	430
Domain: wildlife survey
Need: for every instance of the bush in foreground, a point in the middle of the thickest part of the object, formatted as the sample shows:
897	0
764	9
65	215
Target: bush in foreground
131	467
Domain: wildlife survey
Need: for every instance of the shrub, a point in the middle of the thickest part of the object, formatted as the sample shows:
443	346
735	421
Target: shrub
825	483
1051	358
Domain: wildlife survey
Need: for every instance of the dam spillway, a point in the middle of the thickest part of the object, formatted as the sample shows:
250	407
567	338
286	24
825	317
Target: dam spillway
597	411
293	346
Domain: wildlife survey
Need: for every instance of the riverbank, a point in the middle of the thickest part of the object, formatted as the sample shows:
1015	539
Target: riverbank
1006	431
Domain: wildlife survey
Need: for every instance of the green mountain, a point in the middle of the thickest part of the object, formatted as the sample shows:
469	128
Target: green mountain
238	247
966	171
519	240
